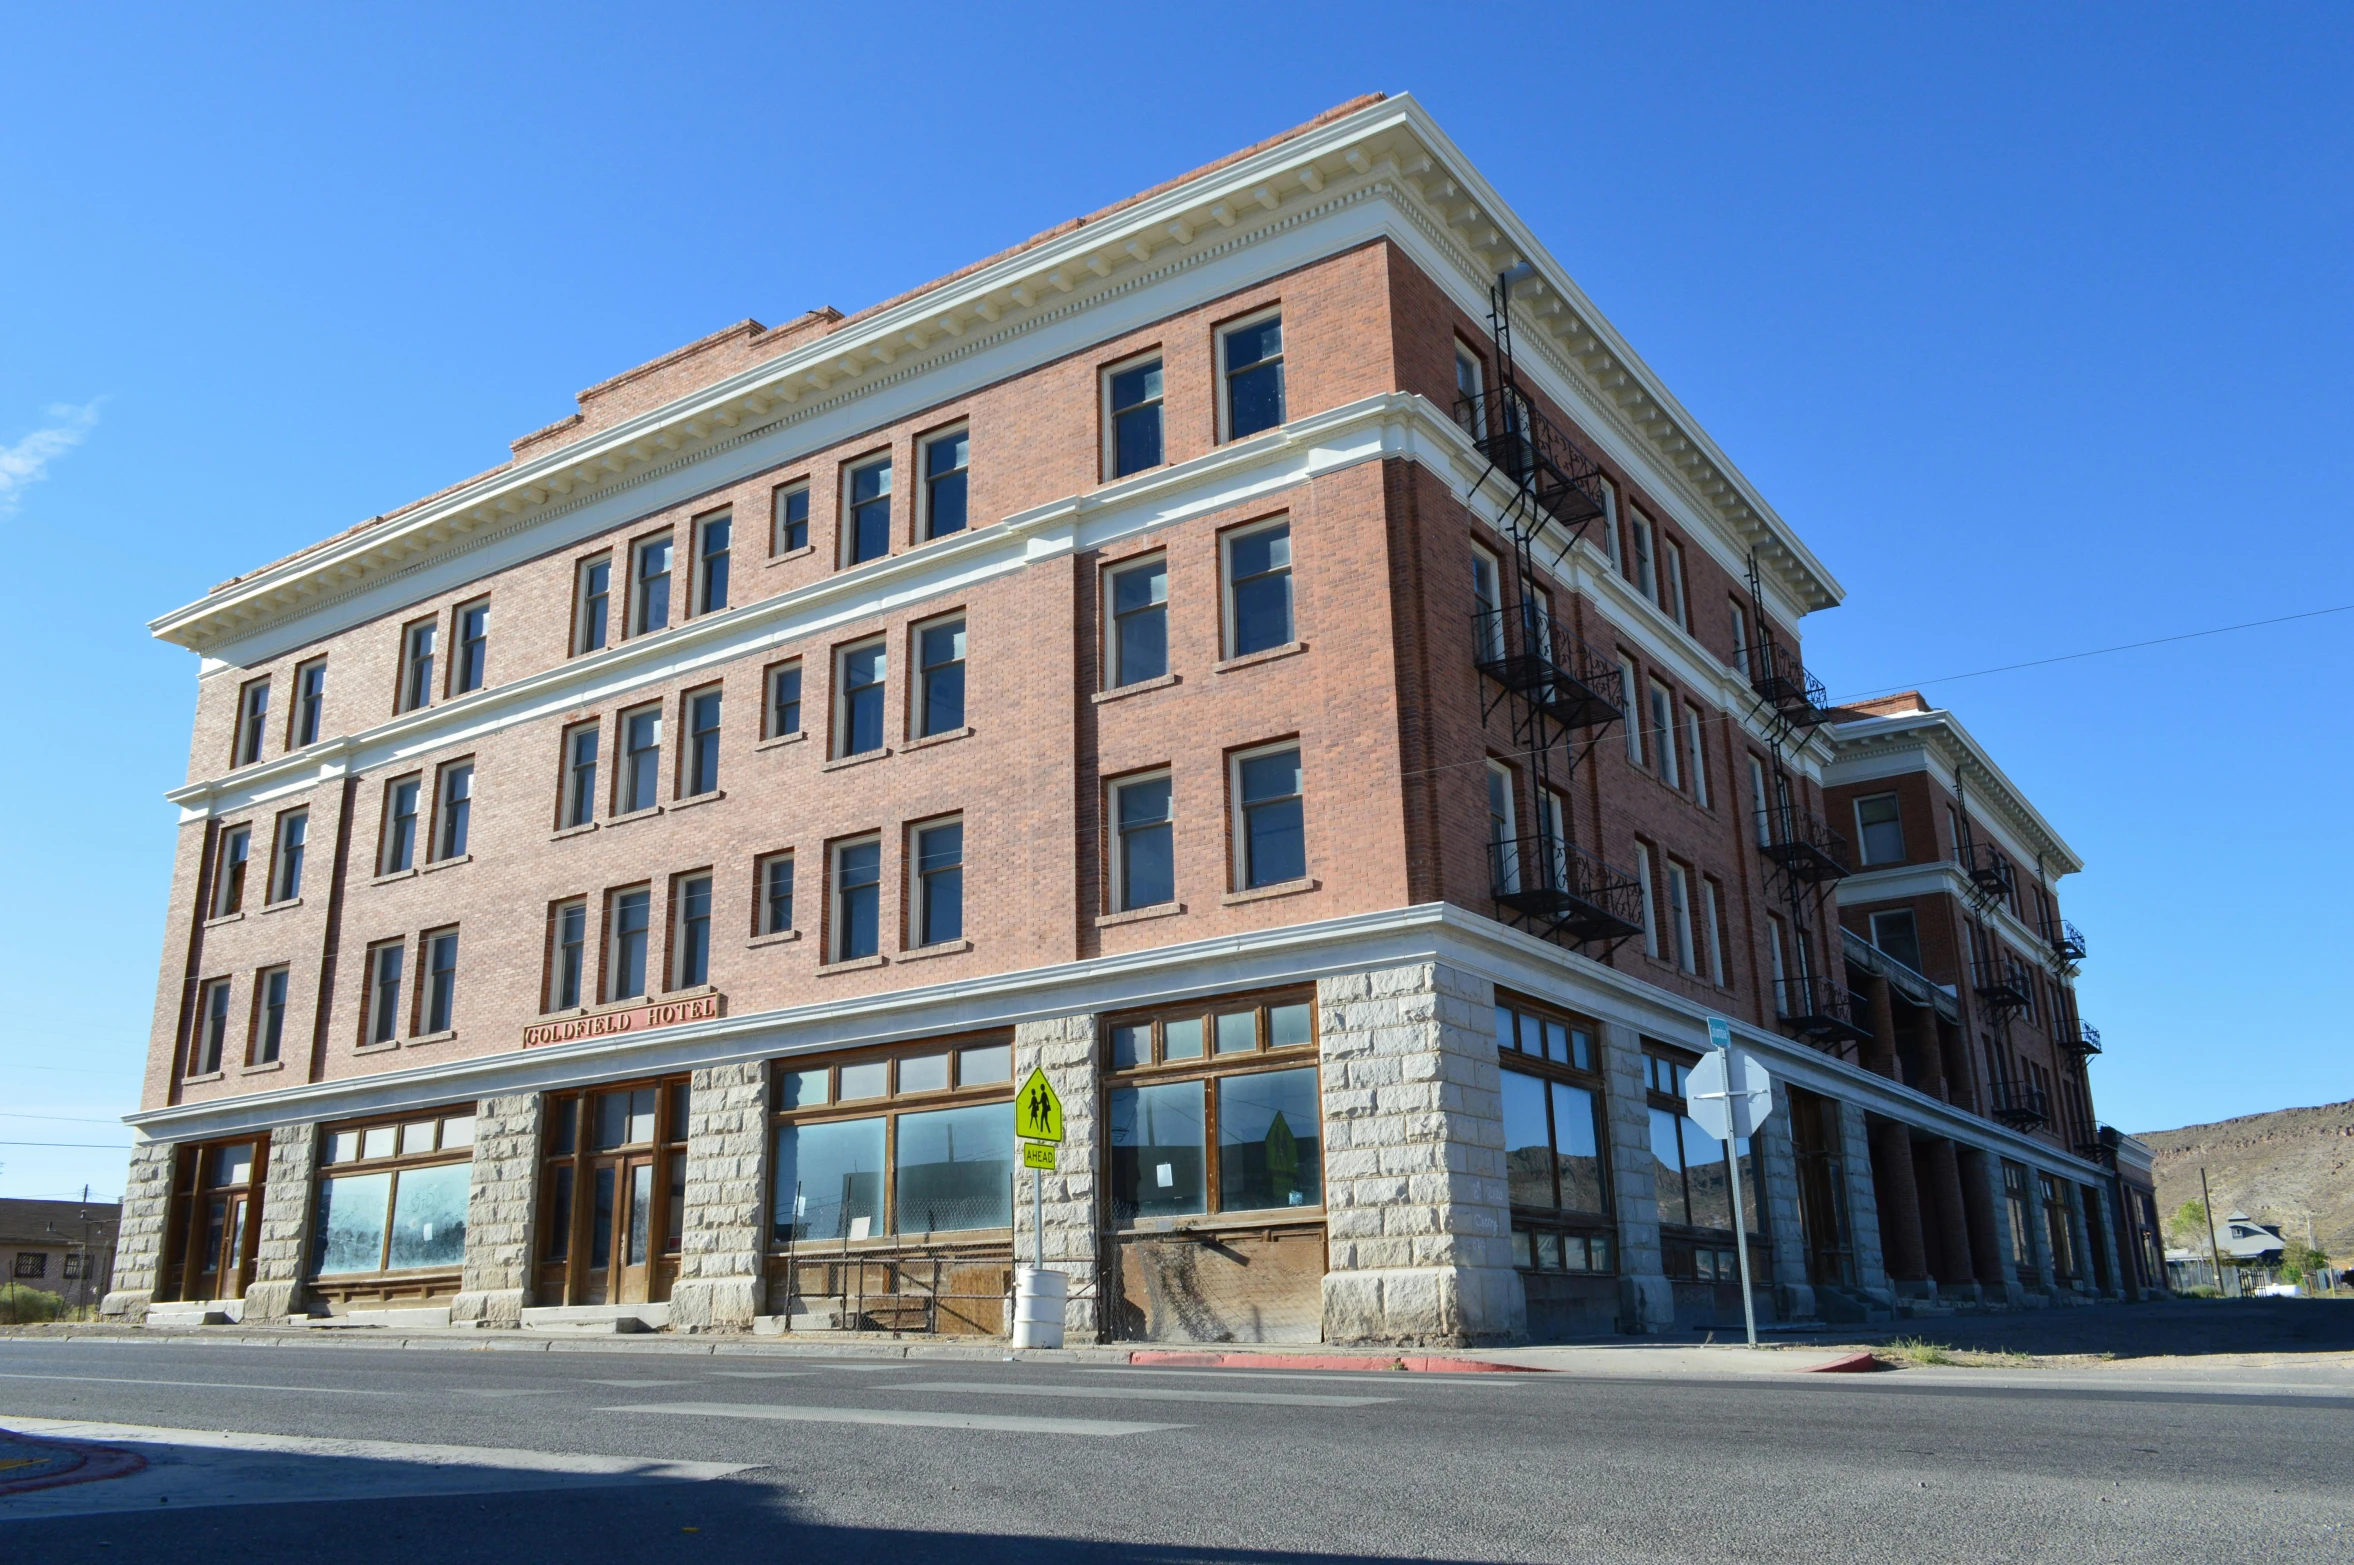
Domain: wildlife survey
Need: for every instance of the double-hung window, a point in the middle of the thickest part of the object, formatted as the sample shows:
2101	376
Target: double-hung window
1553	1092
1252	375
1696	753
1258	588
940	677
417	664
1213	1107
784	700
691	940
1899	935
1139	639
713	535
229	878
1133	396
1270	839
400	825
702	743
1610	543
650	586
253	721
641	759
1144	869
939	883
789	519
1740	623
858	893
269	1016
567	954
383	1009
472	669
453	809
438	1004
774	880
212	1028
859	674
1663	734
592	604
1679	916
1503	834
1471	406
294	833
1648	883
310	703
946	458
866	518
1643	568
1487	606
1629	717
1880	828
629	920
1678	608
1759	804
580	776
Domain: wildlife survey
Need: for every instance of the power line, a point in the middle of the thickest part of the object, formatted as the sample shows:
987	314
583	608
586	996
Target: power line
98	1146
64	1119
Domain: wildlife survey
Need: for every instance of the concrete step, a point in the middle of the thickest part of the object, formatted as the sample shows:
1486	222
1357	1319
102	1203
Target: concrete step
212	1312
409	1317
597	1318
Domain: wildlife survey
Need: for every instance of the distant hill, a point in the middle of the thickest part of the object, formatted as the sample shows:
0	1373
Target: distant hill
2275	1167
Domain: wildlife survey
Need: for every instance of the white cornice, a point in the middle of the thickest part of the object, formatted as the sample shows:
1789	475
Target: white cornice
1954	754
1388	147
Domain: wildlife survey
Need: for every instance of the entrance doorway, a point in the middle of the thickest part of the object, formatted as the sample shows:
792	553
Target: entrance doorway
613	1194
215	1230
1819	1150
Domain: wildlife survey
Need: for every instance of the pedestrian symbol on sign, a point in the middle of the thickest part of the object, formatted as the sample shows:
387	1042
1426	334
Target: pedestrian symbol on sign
1039	1113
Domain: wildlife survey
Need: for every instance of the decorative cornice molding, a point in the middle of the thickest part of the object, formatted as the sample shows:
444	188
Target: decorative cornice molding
1940	737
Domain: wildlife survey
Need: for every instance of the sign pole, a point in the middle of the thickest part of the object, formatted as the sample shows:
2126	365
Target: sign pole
1726	1088
1741	1241
1038	1218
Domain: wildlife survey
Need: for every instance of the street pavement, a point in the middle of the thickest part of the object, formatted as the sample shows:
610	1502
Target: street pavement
344	1452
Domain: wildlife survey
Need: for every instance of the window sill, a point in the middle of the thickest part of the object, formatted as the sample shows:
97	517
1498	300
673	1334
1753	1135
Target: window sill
450	863
647	813
1253	659
673	996
781	740
775	937
855	965
688	803
581	830
928	740
196	1081
385	1047
1282	888
262	1069
944	948
444	1036
802	553
1138	688
1137	915
225	918
860	759
279	907
399	874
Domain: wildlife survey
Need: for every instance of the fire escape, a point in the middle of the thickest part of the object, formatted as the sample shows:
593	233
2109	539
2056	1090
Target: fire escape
1555	691
1999	981
1804	857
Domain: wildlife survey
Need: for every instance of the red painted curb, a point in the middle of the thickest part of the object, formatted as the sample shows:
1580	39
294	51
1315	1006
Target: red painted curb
1852	1364
1419	1362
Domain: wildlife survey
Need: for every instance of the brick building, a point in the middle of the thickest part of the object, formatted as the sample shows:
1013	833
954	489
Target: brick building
1268	655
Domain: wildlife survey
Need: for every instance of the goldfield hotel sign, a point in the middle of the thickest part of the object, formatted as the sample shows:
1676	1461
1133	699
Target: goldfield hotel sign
638	1018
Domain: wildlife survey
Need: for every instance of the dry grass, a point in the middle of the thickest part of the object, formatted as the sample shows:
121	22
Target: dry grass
1915	1352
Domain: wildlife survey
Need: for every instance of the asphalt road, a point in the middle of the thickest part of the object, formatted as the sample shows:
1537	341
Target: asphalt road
626	1456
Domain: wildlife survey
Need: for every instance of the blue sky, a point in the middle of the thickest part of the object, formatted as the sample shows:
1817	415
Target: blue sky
2035	322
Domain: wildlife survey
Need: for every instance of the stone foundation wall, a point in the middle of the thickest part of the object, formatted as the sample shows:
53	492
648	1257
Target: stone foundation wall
289	1192
1794	1294
139	1245
1863	1204
720	1279
1064	1047
1646	1299
500	1208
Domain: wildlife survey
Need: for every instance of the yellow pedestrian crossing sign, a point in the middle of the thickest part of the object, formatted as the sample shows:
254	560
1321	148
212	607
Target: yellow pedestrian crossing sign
1038	1113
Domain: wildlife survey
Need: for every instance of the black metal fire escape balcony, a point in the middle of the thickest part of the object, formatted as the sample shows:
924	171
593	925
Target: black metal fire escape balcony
1529	653
2002	985
1561	889
1816	1008
1802	844
1988	871
2083	1037
2065	939
1534	454
1783	682
2020	1105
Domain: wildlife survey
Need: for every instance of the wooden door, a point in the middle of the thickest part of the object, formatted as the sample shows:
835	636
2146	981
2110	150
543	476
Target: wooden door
621	1231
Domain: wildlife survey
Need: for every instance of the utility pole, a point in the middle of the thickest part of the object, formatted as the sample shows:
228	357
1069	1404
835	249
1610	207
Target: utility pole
2214	1246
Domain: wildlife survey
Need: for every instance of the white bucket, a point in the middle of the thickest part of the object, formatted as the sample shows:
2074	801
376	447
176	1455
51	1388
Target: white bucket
1038	1307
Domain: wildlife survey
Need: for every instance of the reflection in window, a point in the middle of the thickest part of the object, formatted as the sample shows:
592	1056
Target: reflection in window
954	1169
1274	845
1140	622
1258	585
1254	377
829	1180
1269	1130
1157	1137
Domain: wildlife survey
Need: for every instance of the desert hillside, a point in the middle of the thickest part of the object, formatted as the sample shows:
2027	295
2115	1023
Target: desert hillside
2275	1167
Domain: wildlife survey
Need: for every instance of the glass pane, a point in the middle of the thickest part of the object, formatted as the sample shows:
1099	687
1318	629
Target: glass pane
829	1179
351	1223
1557	1043
343	1146
1667	1167
1289	1026
1132	1045
1528	1147
567	1115
1581	1048
679	1099
1532	1036
1158	1164
1523	1249
1238	1032
429	1217
868	1079
1182	1040
641	1213
1704	1170
1269	1130
378	1141
601	1221
1574	1148
924	1073
805	1089
612	1120
417	1137
991	1062
955	1170
1549	1252
641	1116
1505	1031
1275	846
556	1242
1144	802
457	1131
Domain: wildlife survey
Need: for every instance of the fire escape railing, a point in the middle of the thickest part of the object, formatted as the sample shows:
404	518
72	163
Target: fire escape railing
1802	843
1783	683
1532	655
2020	1105
1822	1010
2002	985
1989	873
1534	454
2065	939
2084	1038
1564	890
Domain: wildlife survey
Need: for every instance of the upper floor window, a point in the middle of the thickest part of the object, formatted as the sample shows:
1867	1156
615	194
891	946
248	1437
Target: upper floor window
417	665
1132	394
400	825
1677	607
1471	407
1897	934
212	1028
382	1010
712	537
1270	836
1609	519
1649	886
438	1004
1711	928
1253	376
294	831
1643	567
568	954
473	665
1503	853
269	1021
692	941
229	885
774	876
940	677
784	700
1487	605
1144	868
310	702
1760	803
253	721
702	743
1139	639
650	586
454	810
1629	715
629	918
641	759
1679	917
1740	619
945	460
1258	588
858	894
866	519
1696	752
580	776
789	518
1880	829
939	883
592	604
859	673
1663	734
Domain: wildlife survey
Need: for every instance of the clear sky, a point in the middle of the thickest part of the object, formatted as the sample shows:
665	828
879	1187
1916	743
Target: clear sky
2035	322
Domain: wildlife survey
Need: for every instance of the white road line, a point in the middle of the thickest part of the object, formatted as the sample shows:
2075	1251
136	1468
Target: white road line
995	1423
632	1385
1401	1379
548	1391
212	1385
756	1374
1141	1394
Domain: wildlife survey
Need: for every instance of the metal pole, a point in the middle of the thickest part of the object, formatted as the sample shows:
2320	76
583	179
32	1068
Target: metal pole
1038	1218
1740	1228
2214	1246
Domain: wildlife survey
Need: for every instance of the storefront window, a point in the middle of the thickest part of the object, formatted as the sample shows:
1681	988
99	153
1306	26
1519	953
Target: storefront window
1552	1139
393	1196
1215	1075
1693	1182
